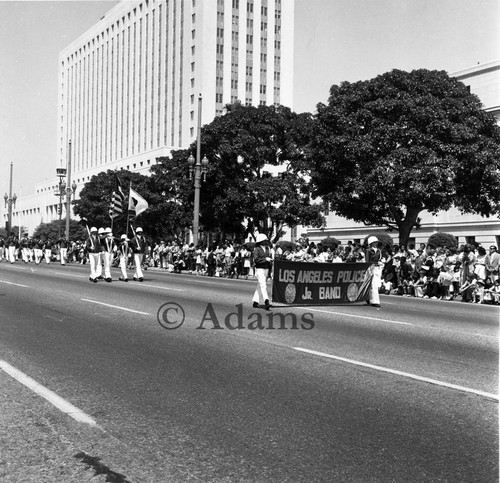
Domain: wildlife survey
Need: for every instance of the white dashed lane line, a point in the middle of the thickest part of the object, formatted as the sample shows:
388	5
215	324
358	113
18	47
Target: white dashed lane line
400	373
47	394
12	283
116	307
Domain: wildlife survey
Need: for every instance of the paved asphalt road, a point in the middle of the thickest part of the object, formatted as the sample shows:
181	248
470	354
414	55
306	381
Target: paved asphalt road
205	404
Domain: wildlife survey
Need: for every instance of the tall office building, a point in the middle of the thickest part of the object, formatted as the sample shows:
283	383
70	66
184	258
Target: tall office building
129	86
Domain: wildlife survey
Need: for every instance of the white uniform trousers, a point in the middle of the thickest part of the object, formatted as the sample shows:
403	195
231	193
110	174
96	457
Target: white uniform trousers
48	255
38	255
106	257
98	269
376	284
63	252
260	295
138	257
95	263
11	254
123	266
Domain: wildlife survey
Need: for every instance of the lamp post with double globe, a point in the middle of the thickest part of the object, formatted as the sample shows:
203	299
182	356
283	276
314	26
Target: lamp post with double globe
197	169
10	200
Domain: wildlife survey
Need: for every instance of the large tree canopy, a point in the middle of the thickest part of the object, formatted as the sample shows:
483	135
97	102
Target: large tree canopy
238	196
95	199
54	231
385	149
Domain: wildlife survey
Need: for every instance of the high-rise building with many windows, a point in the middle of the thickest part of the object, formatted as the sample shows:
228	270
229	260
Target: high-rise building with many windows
129	86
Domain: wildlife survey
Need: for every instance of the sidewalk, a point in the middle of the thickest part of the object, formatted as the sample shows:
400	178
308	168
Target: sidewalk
36	444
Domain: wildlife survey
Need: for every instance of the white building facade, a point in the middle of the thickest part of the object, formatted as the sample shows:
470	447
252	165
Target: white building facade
129	87
484	81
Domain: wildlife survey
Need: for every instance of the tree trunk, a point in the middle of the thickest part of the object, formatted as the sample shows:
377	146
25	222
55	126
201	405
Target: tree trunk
406	225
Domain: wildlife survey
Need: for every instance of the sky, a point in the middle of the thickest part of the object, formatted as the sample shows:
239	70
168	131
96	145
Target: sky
335	41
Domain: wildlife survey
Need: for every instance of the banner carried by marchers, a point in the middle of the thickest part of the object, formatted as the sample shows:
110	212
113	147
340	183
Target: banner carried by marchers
304	283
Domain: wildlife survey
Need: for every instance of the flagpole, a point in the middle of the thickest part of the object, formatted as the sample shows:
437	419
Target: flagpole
128	204
112	205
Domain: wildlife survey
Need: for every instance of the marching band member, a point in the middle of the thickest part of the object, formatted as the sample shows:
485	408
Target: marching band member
63	249
108	248
374	258
124	252
93	248
263	258
139	248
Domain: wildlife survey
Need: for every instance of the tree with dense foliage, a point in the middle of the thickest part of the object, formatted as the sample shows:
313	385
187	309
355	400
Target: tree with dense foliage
386	149
330	242
51	230
94	202
440	239
238	196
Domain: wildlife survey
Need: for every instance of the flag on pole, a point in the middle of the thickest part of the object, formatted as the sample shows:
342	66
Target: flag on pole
136	204
117	199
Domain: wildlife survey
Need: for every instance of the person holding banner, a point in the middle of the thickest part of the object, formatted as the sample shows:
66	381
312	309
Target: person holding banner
262	259
374	258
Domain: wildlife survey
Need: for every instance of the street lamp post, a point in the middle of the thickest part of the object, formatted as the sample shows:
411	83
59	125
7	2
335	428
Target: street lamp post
70	190
61	172
199	168
10	200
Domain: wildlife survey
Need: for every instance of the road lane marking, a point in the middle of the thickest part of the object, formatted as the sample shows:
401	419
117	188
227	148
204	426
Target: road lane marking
49	395
116	307
358	316
164	288
400	373
210	282
16	284
70	275
424	327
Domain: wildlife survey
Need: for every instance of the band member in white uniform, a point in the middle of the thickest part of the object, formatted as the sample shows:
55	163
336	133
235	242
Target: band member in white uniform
93	248
262	258
109	248
139	248
374	258
124	252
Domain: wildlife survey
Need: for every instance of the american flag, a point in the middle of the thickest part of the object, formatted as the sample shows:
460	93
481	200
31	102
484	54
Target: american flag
117	199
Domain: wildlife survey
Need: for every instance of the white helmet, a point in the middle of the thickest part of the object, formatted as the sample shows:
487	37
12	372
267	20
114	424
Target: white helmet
372	239
260	238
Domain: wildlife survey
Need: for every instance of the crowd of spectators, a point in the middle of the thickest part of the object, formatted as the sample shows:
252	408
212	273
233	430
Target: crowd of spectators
469	273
